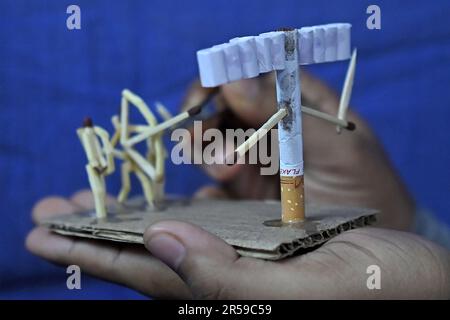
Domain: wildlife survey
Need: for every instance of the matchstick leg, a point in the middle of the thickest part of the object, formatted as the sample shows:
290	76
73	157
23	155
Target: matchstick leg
126	184
146	186
97	183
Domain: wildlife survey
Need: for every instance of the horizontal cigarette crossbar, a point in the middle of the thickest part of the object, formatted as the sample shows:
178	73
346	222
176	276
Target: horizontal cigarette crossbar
247	57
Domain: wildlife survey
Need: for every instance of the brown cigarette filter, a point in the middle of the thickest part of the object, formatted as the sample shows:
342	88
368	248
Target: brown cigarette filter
292	199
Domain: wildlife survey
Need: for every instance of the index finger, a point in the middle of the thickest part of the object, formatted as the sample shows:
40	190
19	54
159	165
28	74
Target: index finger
51	207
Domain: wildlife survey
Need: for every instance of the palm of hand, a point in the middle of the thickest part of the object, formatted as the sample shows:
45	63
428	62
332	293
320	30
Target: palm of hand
212	269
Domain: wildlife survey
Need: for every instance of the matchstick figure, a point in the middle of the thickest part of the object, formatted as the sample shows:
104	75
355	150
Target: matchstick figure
153	190
149	169
99	152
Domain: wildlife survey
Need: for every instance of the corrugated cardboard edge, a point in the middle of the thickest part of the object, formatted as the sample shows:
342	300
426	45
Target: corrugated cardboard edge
282	251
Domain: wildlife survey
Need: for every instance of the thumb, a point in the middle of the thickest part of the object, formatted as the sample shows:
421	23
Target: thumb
201	259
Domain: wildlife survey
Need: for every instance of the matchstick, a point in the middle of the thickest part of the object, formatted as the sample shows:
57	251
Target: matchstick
151	166
98	167
107	149
321	115
141	106
141	162
123	120
290	134
347	90
255	137
125	171
90	144
157	154
97	183
163	112
163	126
147	187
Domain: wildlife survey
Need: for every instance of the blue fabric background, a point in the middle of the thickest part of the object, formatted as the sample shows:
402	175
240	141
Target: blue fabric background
51	77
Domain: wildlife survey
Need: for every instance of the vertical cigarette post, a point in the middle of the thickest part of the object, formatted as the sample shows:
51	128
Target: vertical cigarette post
281	51
290	134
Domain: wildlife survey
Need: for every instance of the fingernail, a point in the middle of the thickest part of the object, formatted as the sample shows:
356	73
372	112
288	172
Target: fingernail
167	249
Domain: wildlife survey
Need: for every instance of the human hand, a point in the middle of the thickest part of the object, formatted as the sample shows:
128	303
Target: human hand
348	169
335	174
188	262
410	267
129	265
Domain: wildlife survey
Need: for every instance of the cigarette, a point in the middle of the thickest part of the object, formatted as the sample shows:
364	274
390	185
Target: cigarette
255	137
290	134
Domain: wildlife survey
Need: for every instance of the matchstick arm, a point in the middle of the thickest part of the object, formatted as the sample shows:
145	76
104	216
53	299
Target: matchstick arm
100	153
107	149
340	121
329	118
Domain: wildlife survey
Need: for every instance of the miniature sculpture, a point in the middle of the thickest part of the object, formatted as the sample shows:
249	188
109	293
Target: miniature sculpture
252	227
283	52
149	169
100	161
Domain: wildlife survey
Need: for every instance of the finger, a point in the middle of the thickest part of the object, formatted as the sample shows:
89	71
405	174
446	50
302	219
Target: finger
201	259
316	94
242	101
210	192
252	100
84	199
129	265
195	95
52	206
214	165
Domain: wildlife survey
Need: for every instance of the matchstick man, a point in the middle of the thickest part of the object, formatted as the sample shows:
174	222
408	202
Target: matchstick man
99	152
150	169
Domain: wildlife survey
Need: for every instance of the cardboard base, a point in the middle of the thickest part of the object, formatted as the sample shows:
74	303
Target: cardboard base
252	227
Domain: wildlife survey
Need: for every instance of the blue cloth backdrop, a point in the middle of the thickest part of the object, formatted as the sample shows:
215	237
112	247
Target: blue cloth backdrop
50	77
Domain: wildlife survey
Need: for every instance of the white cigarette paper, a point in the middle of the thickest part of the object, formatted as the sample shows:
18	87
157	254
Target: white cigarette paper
247	57
288	97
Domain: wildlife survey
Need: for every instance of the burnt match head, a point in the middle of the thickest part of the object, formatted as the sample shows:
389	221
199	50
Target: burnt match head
350	126
87	122
194	110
